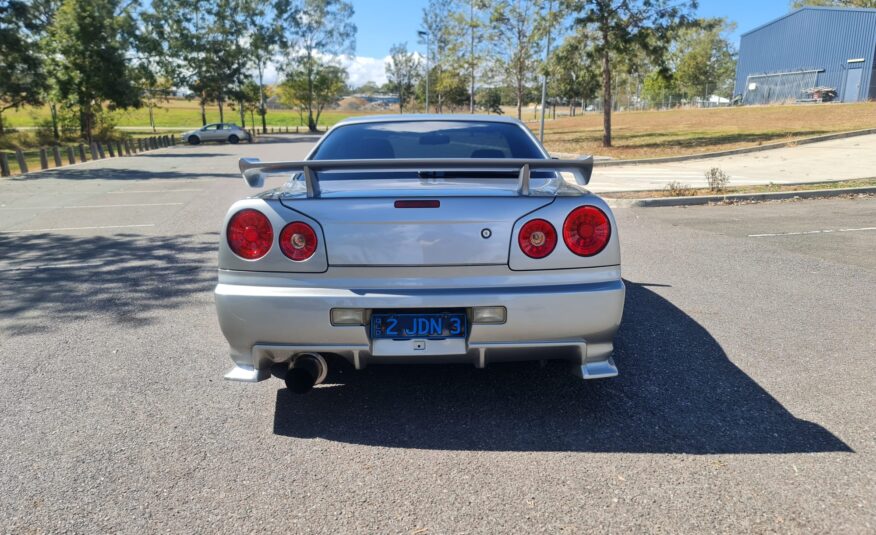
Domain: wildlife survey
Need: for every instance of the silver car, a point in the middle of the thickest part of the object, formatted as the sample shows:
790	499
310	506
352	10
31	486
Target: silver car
419	239
217	132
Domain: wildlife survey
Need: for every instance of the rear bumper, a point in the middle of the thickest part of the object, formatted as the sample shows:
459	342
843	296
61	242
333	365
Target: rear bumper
268	324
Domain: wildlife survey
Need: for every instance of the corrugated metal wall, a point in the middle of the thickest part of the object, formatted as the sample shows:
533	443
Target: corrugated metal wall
813	38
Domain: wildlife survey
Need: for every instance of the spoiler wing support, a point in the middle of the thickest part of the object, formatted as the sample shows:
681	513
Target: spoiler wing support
254	171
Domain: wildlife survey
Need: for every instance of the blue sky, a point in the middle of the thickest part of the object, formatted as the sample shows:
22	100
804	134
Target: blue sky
382	23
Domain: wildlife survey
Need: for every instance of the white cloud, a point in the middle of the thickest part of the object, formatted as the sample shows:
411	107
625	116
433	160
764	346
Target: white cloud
360	69
365	69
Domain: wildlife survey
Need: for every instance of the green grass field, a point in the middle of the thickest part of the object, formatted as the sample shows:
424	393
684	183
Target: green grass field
174	114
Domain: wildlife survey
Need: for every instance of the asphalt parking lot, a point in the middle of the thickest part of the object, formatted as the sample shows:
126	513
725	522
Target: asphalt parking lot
745	401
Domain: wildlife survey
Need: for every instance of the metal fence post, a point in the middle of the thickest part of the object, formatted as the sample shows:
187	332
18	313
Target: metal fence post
56	152
109	149
4	164
22	164
82	156
44	160
71	156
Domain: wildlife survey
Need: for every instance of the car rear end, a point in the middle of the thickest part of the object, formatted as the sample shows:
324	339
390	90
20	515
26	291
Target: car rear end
439	266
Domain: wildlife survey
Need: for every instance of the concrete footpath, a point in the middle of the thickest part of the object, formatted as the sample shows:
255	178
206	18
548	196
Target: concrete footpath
840	159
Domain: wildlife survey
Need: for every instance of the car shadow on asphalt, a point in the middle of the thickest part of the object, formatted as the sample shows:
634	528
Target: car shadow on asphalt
48	280
677	393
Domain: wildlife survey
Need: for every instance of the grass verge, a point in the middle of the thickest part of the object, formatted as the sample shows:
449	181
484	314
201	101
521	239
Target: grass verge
767	188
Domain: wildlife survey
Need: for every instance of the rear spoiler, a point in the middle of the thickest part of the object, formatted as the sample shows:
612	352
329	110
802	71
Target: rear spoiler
254	170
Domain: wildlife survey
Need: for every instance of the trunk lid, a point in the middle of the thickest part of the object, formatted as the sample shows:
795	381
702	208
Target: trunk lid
372	231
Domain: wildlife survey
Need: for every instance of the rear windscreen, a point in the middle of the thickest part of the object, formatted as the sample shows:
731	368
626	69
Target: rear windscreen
427	139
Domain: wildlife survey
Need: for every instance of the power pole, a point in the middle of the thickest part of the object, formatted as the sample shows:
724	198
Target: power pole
547	53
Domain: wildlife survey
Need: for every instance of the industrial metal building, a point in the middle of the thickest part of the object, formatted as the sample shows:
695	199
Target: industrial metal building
806	54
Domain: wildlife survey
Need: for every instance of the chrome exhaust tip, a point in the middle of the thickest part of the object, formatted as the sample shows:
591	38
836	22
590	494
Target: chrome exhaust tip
305	371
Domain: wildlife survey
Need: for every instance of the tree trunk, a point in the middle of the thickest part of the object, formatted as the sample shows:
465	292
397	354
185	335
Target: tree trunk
203	111
221	109
471	102
519	100
262	108
606	94
243	116
311	124
2	129
151	117
54	110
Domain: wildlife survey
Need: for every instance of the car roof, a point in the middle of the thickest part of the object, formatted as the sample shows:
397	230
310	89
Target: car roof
419	117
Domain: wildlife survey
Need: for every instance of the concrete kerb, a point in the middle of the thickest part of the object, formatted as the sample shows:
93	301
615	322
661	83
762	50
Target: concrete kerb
736	197
600	162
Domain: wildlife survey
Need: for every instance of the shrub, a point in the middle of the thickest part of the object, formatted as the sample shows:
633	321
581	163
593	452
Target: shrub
677	189
717	179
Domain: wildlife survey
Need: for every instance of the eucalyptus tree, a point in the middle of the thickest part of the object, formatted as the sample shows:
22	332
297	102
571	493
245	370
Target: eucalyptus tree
402	71
574	73
436	24
519	27
470	38
264	29
625	26
202	43
87	46
22	77
318	34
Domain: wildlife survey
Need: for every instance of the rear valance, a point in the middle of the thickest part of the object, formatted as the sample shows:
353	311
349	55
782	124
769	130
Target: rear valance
254	171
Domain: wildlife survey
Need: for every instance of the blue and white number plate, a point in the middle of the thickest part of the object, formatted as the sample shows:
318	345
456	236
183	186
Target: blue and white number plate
417	325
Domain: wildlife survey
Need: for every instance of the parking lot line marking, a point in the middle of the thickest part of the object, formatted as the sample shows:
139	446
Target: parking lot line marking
156	191
73	228
123	205
92	206
804	233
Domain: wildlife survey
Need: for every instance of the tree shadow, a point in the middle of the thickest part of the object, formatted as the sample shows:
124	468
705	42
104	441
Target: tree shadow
677	393
108	173
47	280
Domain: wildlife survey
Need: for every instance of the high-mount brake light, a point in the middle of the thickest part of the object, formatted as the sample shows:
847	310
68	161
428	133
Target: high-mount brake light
586	230
298	241
537	238
249	234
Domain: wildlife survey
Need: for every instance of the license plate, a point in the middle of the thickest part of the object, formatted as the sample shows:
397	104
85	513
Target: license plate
404	325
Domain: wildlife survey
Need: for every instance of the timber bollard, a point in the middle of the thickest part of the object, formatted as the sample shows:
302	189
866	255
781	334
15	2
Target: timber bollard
119	148
100	151
140	144
4	164
173	139
56	153
44	160
71	156
110	150
22	164
82	157
93	149
127	147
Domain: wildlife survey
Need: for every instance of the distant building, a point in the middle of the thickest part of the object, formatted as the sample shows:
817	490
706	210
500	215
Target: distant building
807	53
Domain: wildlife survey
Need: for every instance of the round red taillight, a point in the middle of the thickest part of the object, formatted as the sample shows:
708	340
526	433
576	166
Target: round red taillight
250	234
586	230
298	241
537	238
